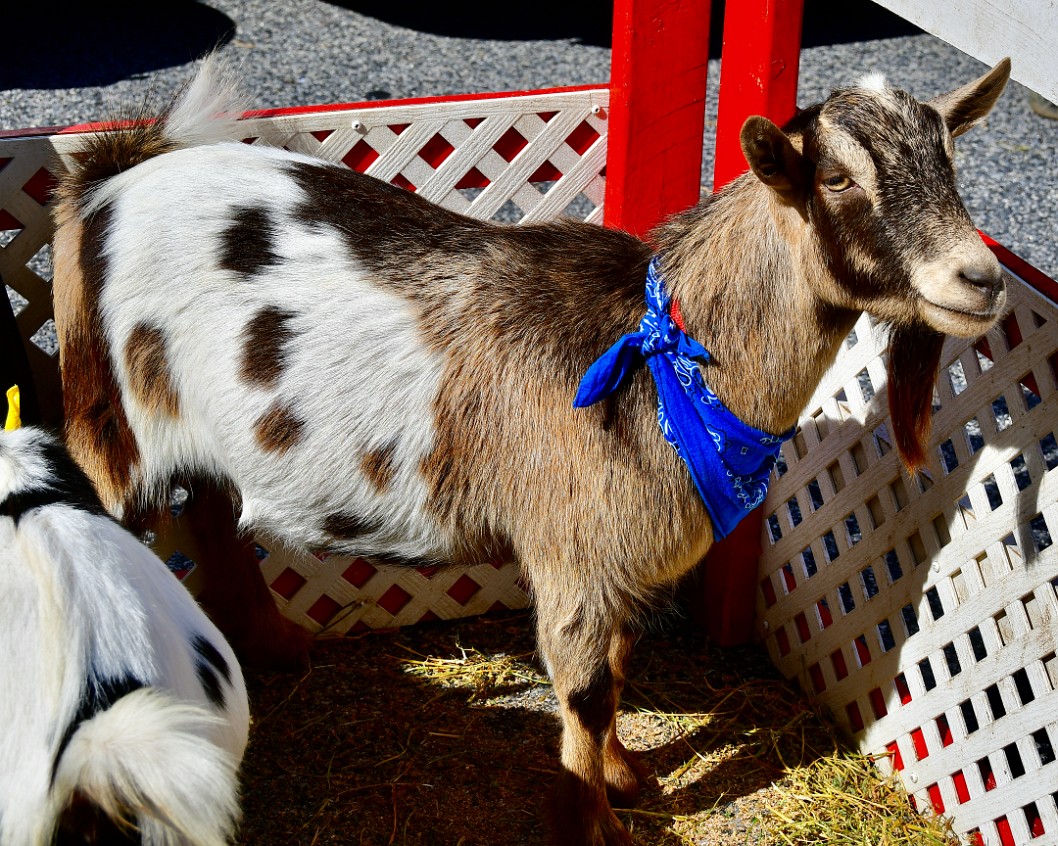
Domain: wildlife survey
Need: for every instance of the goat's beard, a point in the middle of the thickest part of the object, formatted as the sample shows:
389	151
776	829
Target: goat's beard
914	359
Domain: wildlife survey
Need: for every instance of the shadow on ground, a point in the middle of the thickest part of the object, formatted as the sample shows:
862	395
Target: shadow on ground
98	43
360	751
585	21
591	21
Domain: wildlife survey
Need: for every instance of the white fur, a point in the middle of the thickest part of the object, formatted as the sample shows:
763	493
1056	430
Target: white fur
116	760
874	81
81	598
207	109
195	193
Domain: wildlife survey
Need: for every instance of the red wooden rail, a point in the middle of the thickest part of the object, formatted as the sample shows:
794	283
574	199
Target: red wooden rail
657	110
758	75
653	169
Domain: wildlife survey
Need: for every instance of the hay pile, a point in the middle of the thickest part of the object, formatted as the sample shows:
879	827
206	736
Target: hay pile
446	734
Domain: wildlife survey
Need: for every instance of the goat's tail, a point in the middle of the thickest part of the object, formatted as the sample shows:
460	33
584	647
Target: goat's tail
145	763
206	109
203	112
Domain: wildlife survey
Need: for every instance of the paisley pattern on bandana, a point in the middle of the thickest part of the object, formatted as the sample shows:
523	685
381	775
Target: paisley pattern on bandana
729	461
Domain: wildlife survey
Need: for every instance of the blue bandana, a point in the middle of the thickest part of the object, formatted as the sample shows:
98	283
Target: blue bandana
729	460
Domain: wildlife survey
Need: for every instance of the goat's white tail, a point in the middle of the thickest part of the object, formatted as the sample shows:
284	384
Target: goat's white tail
146	761
208	107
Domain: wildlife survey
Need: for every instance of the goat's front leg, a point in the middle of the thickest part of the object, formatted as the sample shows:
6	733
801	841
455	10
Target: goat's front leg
234	592
577	651
625	774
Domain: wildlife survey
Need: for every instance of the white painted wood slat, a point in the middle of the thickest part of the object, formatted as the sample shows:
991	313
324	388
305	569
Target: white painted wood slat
1025	30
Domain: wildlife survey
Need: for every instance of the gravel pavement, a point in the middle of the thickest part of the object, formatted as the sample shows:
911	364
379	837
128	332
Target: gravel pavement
77	66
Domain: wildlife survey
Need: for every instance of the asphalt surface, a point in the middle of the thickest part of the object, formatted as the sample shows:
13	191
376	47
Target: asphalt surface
67	67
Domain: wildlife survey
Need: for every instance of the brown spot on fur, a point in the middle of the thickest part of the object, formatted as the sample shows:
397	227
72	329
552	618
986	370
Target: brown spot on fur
278	429
97	431
247	246
379	467
265	340
148	367
345	526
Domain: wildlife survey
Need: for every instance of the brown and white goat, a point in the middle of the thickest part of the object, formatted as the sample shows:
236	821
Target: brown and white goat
367	373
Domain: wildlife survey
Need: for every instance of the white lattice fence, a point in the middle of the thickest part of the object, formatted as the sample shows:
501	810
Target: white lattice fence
516	158
923	612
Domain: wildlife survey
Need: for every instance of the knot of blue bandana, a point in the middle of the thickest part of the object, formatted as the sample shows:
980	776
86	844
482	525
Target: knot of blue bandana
729	460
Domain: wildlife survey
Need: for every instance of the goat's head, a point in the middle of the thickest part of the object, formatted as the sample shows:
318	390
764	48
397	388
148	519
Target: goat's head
871	170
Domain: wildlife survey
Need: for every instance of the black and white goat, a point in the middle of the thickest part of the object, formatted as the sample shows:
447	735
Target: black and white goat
123	709
358	370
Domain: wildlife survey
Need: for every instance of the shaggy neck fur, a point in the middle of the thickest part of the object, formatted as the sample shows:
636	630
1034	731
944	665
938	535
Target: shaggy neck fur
755	310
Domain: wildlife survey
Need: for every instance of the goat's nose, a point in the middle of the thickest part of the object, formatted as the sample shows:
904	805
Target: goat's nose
985	276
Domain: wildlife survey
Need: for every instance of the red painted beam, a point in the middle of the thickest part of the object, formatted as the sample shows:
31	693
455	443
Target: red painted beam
758	73
758	76
657	111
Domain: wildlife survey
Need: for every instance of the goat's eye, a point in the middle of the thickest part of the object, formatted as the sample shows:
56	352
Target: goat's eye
838	182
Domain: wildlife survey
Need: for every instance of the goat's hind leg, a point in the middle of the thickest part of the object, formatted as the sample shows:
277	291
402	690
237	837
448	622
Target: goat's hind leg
576	648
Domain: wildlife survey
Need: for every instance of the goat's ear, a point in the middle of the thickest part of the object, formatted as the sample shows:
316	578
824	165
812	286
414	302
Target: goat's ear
914	358
966	105
771	156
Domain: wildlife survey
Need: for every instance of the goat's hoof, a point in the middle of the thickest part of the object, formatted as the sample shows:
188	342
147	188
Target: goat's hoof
626	776
282	647
580	816
605	830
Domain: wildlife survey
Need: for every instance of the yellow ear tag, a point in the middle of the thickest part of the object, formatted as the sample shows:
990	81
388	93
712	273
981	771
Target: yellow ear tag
14	409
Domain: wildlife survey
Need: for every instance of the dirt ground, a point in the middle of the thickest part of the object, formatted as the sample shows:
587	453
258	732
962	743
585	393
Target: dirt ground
446	735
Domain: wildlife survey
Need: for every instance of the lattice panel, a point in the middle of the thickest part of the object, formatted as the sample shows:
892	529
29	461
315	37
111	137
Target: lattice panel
923	611
339	595
26	183
483	158
522	159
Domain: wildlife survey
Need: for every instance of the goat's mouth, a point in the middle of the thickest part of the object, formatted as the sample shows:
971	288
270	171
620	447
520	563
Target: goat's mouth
961	322
972	314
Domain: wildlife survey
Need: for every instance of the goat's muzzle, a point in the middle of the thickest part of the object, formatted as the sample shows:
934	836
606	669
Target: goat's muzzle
963	293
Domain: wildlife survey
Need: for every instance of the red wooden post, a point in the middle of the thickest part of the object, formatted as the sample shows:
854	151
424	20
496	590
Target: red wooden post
657	113
758	76
657	110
